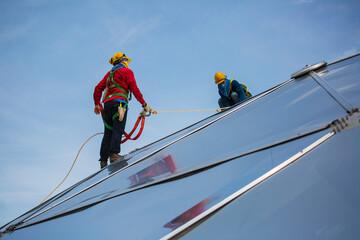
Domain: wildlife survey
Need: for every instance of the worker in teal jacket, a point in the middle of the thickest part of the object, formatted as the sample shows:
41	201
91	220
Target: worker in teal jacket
230	91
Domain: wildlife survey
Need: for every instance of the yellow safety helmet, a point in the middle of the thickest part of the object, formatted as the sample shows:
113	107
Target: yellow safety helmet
219	77
118	56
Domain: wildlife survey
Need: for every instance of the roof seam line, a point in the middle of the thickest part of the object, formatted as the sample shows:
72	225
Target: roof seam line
184	174
158	150
246	188
332	92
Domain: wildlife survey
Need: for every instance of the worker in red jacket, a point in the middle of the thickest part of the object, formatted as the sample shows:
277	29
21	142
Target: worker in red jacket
117	83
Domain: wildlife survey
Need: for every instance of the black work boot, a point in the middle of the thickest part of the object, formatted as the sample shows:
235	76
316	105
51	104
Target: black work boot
114	157
103	164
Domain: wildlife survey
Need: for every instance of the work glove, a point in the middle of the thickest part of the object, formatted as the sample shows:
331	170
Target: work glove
97	109
146	107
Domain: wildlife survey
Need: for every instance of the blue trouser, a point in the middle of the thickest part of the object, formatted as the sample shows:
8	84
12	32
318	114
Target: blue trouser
112	138
234	98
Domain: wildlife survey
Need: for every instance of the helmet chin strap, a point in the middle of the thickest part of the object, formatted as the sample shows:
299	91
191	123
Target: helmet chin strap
125	63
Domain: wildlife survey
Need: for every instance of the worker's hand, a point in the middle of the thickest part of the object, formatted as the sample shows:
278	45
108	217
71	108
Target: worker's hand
147	108
97	109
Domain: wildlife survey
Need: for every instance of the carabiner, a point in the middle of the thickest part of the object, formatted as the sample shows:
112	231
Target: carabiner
143	113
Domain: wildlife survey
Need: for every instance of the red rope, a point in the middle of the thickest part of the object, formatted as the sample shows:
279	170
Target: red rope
128	136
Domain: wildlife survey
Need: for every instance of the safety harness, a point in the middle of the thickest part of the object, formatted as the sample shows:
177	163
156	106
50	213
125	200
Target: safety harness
247	93
111	83
128	136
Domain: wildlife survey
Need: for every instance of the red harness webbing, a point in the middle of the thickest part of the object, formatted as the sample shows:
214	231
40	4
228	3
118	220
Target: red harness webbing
128	136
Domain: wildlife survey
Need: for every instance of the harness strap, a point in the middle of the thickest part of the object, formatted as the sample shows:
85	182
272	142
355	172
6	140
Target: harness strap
127	136
108	126
247	93
117	94
111	83
113	118
231	85
110	80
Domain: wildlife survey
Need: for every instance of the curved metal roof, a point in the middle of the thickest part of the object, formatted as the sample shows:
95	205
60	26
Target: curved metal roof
272	167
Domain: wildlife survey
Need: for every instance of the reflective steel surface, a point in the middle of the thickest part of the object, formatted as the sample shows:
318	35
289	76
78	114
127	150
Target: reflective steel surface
159	209
274	118
315	198
344	77
163	186
113	168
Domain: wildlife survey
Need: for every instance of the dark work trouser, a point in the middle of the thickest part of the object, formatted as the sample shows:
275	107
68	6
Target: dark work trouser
112	138
234	98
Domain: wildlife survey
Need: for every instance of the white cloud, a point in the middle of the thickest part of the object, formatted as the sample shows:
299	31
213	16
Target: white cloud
128	32
13	32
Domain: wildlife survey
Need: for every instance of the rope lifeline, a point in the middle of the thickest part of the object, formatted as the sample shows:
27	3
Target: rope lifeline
200	110
71	166
128	136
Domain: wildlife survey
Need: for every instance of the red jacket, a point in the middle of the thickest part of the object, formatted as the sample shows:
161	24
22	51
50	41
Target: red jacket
125	78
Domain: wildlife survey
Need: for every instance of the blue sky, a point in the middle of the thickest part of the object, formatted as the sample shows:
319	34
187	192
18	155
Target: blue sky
54	52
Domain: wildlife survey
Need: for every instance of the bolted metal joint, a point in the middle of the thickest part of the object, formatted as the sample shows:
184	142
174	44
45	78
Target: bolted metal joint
308	68
10	229
347	122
